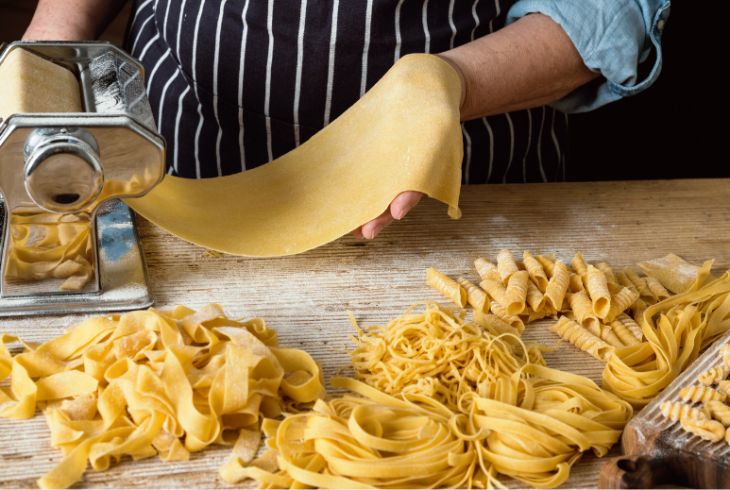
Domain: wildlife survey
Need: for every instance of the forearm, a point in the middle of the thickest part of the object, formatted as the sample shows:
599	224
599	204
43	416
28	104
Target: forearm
72	20
527	64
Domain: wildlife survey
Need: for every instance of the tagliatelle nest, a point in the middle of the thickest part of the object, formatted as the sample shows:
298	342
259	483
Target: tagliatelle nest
439	354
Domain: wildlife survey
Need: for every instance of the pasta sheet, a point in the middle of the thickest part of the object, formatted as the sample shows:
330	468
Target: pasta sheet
403	135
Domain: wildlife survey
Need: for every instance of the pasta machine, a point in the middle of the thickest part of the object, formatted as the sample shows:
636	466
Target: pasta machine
68	243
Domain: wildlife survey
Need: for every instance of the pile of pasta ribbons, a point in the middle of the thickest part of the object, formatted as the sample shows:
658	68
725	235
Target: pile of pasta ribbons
51	246
443	402
155	382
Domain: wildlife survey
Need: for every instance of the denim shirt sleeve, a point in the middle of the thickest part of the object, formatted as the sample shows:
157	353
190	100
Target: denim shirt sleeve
612	37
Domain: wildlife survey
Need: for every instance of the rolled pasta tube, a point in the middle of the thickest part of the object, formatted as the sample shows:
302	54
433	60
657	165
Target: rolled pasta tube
598	291
490	321
446	286
582	308
610	337
548	265
582	339
506	265
637	311
623	334
487	271
474	295
725	353
639	283
677	410
530	315
576	283
620	302
659	292
557	286
516	293
581	267
495	289
535	298
501	313
624	281
608	272
536	271
631	326
710	430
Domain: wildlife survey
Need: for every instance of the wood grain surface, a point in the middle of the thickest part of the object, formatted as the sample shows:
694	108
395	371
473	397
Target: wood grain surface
304	297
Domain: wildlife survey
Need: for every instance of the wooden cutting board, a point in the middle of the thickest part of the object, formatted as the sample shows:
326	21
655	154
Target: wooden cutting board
658	451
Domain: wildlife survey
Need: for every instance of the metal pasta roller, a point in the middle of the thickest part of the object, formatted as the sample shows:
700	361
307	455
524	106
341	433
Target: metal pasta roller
68	243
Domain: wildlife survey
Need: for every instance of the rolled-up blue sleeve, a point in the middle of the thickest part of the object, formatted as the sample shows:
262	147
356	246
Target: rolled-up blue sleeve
612	37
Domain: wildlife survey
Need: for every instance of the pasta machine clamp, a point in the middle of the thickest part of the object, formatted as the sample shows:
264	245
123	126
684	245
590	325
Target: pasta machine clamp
69	244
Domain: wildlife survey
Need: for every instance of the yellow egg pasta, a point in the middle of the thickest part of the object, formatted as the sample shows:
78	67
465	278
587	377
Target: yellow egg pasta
548	265
713	375
631	326
719	411
156	382
576	283
677	275
609	336
639	283
676	411
506	265
624	281
724	386
487	270
536	271
535	298
582	308
620	301
557	286
656	288
516	293
474	295
446	286
608	272
725	353
710	430
495	289
581	267
582	339
494	324
598	291
624	334
701	394
501	313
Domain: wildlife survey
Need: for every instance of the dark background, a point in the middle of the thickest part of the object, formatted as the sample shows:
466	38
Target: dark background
675	129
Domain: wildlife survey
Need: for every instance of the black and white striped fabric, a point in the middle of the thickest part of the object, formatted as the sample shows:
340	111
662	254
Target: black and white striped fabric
234	84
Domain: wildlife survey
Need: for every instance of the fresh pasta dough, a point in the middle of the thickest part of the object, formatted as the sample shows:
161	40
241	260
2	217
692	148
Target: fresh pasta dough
402	135
156	382
446	286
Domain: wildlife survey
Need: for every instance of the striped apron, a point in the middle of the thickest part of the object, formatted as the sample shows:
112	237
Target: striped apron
234	84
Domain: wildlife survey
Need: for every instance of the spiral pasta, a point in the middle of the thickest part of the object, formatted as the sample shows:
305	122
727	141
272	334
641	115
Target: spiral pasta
676	411
623	334
710	430
582	308
656	288
719	411
631	326
713	375
487	271
598	291
557	286
701	394
620	302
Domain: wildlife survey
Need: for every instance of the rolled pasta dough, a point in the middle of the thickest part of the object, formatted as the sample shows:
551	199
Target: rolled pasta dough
403	135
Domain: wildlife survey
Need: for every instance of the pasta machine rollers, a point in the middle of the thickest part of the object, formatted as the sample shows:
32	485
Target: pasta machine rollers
61	177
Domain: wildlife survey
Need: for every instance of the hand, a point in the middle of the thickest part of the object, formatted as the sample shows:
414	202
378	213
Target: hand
400	206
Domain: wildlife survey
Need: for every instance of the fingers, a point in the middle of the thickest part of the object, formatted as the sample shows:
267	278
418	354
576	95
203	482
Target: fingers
372	228
400	206
404	202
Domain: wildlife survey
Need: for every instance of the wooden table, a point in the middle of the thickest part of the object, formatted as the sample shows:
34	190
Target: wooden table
304	297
